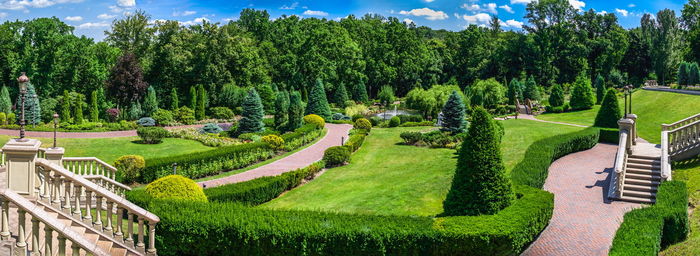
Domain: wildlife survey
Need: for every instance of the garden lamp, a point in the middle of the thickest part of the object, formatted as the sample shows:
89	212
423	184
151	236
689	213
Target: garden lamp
23	81
55	127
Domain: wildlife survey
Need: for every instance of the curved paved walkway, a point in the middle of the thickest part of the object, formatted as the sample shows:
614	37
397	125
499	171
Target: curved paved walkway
584	221
300	159
92	135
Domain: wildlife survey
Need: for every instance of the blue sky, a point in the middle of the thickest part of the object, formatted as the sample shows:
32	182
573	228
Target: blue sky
91	18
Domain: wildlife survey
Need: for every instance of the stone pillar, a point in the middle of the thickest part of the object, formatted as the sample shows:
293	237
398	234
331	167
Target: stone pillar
633	132
627	125
21	176
55	155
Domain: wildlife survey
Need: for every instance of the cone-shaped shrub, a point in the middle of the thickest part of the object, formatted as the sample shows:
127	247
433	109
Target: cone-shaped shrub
359	92
253	113
556	98
5	101
582	95
480	185
340	96
281	110
531	91
599	89
683	73
150	103
609	111
513	90
693	74
296	110
453	114
174	99
318	103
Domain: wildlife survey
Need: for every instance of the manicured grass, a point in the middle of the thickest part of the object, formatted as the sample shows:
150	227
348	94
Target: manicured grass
652	108
109	149
387	178
689	172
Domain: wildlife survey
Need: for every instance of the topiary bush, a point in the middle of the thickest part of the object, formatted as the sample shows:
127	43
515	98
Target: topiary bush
152	135
394	121
146	122
211	128
184	115
3	118
222	113
336	156
129	167
163	117
176	187
411	138
363	124
609	112
275	142
316	120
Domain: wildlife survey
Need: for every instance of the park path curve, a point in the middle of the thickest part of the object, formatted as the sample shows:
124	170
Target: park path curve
584	220
86	135
300	159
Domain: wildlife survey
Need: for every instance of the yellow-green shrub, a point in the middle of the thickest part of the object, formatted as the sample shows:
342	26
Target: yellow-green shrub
315	120
358	109
363	124
176	187
130	167
3	118
275	142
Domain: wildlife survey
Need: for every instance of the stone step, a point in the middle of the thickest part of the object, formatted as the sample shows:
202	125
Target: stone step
644	157
642	188
640	194
642	177
633	181
644	161
637	200
644	171
643	166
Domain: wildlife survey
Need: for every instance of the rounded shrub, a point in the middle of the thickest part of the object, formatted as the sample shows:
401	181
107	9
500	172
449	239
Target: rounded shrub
316	120
184	115
411	138
11	118
222	113
357	116
275	142
152	135
129	167
335	156
394	121
113	114
163	116
363	124
146	122
211	128
176	187
3	118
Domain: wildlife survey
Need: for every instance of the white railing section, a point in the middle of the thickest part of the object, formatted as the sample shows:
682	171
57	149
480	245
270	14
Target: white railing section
109	184
617	179
665	157
684	137
89	166
681	123
64	189
38	217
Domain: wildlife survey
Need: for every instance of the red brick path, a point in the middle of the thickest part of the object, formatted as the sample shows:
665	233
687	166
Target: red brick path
584	221
300	159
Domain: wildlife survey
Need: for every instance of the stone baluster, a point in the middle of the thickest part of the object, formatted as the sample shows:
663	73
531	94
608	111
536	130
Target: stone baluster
151	238
139	244
88	206
98	213
35	234
67	193
44	185
5	225
48	240
76	249
21	230
108	227
130	228
77	192
57	190
61	245
120	213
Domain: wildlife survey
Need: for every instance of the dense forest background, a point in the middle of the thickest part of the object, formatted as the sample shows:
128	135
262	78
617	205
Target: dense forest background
291	53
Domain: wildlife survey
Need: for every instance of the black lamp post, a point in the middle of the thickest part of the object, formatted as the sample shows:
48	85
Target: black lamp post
23	81
55	127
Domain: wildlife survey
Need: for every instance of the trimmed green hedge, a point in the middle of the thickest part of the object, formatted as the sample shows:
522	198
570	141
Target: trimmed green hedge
609	135
224	228
646	231
533	170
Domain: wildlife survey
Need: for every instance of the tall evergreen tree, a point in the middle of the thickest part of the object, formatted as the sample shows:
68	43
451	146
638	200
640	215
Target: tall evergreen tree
135	111
480	185
5	101
513	90
296	108
201	103
453	114
32	107
609	112
340	96
683	74
150	103
318	104
94	109
193	97
282	110
582	95
359	92
556	98
693	74
253	113
66	108
78	114
531	92
174	99
599	88
386	95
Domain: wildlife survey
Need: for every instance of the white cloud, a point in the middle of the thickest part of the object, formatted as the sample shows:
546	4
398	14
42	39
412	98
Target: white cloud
577	4
126	3
93	25
315	13
520	1
513	24
290	7
105	16
193	22
184	13
408	21
622	12
24	4
507	8
428	1
478	19
631	5
603	12
74	18
489	7
3	15
471	7
428	13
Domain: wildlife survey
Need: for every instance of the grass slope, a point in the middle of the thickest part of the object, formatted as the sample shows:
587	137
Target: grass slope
689	172
391	179
652	108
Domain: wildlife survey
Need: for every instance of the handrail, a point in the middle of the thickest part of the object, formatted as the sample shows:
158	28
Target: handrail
685	126
618	177
665	160
111	185
85	166
675	125
65	232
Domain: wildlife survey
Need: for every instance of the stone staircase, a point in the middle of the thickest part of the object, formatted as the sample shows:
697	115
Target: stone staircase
642	179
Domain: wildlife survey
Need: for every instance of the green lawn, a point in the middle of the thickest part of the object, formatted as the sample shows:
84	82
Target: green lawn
652	108
391	179
109	149
690	173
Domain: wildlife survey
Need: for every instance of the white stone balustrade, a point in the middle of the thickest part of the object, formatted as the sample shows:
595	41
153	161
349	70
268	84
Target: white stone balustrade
89	166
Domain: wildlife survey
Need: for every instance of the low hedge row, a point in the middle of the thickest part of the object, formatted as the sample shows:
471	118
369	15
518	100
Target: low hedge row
646	231
355	141
533	170
609	135
228	228
205	163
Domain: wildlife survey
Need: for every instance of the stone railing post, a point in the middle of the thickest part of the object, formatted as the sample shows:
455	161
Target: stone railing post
627	125
633	131
55	155
21	175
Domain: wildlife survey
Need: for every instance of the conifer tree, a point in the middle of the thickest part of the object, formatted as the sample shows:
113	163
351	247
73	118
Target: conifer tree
683	73
253	113
78	116
599	89
94	109
453	114
201	103
150	103
282	110
193	97
318	104
386	95
556	98
5	101
693	74
135	111
296	108
359	92
480	185
531	91
66	108
174	100
340	96
513	90
32	107
582	95
609	112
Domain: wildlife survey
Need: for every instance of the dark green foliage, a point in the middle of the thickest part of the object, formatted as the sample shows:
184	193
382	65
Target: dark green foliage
533	170
152	135
340	96
232	96
410	118
582	95
282	110
599	89
174	99
66	108
78	116
355	141
645	231
267	95
514	91
5	101
193	97
48	108
359	92
211	128
609	112
296	110
395	121
222	113
150	103
683	71
335	156
32	106
163	117
386	96
184	115
252	114
532	91
480	185
454	114
135	111
609	135
202	100
318	104
556	98
411	138
693	74
94	109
